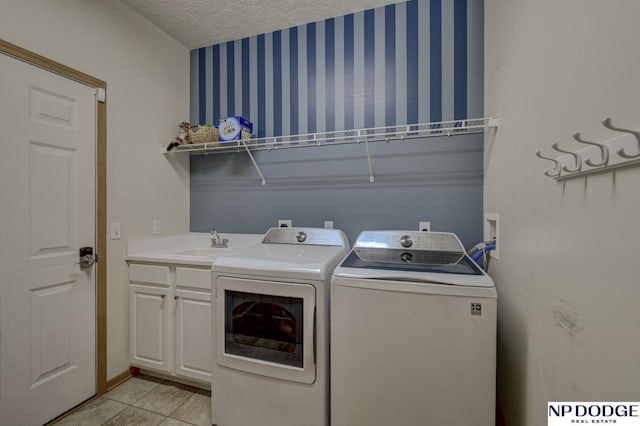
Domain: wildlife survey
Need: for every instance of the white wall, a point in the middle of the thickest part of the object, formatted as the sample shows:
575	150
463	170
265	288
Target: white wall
569	323
147	75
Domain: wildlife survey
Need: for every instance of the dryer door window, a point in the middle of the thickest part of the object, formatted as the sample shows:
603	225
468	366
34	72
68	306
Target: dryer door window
266	327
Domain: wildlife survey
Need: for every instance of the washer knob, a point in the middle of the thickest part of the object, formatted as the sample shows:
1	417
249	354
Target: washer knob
406	257
406	241
301	237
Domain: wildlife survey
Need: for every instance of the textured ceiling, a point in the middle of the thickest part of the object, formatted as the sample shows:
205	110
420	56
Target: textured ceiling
199	23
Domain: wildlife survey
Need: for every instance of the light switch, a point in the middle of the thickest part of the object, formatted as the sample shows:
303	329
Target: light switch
115	231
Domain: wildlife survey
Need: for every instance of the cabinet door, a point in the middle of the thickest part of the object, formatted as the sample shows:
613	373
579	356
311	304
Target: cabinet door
193	334
149	326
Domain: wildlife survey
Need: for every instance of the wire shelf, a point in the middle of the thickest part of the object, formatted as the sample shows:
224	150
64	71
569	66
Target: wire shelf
344	137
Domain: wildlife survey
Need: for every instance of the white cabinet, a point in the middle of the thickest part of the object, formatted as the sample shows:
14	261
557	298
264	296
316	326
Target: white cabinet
149	327
193	338
193	334
171	320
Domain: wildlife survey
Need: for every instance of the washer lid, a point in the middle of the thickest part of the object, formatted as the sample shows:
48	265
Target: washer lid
412	261
357	275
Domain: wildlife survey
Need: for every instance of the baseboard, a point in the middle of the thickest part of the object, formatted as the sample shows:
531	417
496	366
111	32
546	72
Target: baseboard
122	377
134	371
189	382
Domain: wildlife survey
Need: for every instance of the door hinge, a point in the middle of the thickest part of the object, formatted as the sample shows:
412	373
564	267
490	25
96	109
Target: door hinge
101	94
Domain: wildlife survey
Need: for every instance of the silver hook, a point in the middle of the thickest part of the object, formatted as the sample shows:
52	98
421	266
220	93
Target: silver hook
575	156
604	151
556	164
607	123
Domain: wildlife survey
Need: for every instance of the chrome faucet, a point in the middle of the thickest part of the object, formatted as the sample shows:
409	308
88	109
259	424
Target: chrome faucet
216	241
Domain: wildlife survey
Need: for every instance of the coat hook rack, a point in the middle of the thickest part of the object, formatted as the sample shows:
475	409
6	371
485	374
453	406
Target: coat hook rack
595	157
604	151
607	123
556	165
576	158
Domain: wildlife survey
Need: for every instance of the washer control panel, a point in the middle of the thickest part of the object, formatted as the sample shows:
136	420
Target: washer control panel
306	236
415	247
415	240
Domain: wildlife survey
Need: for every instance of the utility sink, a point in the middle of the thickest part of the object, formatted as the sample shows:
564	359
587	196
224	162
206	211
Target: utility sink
186	249
200	252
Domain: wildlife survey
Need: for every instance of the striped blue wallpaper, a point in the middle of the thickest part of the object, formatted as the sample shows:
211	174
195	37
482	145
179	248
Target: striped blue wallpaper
411	62
405	63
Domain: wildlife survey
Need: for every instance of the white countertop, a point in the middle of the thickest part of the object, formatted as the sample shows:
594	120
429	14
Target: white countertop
187	249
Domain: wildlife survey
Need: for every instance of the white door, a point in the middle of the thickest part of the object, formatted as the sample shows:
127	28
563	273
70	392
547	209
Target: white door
47	212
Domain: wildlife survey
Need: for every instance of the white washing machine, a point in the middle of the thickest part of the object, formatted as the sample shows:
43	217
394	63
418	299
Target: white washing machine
413	333
271	327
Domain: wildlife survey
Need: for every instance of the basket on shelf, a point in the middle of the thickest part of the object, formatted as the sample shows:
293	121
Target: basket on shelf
202	134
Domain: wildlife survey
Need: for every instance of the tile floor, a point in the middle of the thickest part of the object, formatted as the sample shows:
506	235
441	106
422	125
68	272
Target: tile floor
146	400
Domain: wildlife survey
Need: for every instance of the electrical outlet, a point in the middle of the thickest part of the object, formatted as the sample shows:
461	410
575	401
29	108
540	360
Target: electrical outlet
328	224
115	231
156	227
492	232
424	226
285	223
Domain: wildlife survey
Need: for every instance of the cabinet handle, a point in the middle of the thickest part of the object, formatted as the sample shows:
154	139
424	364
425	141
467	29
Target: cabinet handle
162	296
176	297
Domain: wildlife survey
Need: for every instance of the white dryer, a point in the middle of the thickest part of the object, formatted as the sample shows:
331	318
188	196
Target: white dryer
271	326
413	333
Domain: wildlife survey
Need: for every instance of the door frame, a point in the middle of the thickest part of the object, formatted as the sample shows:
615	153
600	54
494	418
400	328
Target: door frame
101	195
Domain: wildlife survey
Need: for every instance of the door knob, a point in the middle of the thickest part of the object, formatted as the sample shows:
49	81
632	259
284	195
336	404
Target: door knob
86	258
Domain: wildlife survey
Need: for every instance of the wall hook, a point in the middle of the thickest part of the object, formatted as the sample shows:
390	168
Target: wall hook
556	164
607	123
604	151
575	156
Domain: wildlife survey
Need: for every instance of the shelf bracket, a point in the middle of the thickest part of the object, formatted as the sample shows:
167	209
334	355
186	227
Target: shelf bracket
366	145
254	162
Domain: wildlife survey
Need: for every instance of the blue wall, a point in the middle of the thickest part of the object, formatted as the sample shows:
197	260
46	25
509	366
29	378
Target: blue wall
413	62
